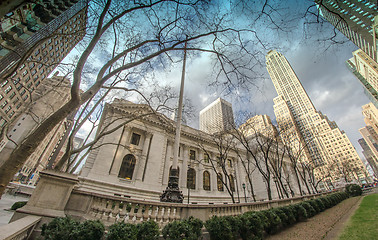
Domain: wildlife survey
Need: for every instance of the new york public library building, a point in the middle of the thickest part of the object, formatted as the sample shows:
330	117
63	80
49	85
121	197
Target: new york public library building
128	170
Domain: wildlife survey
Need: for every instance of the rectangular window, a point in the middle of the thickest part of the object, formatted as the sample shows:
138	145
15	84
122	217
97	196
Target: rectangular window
12	95
192	155
4	104
4	83
11	114
135	138
9	88
8	109
229	162
206	158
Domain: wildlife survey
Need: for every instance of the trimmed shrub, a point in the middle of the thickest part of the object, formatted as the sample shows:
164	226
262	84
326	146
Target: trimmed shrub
89	230
273	223
299	212
252	227
219	228
195	227
62	228
148	230
282	215
288	210
320	203
315	205
326	202
235	224
122	231
189	229
353	190
17	205
309	209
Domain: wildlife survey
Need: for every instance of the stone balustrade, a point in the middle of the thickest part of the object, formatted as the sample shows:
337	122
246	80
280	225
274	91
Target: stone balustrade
20	229
112	209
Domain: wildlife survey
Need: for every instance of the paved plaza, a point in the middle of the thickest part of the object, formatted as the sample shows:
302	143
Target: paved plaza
6	203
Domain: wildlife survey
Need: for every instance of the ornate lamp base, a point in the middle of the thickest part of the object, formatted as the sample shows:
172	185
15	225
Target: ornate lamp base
172	193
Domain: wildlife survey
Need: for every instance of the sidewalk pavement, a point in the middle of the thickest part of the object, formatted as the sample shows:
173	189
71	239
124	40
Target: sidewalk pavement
6	203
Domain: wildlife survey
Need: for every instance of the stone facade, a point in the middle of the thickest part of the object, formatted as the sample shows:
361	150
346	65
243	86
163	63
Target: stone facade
146	144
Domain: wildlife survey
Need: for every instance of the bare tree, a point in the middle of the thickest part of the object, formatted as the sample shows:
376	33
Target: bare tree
221	163
130	50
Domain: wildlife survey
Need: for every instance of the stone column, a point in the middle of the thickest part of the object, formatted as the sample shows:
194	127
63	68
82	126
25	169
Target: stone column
142	160
184	168
120	152
167	164
213	175
199	176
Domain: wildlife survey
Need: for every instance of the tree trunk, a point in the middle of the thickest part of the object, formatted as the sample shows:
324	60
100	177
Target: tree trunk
21	153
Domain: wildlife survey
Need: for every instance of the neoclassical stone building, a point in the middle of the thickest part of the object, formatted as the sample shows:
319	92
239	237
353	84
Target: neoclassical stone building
134	160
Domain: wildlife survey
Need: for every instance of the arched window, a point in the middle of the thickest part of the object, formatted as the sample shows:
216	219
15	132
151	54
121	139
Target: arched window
219	182
206	180
127	167
232	183
191	179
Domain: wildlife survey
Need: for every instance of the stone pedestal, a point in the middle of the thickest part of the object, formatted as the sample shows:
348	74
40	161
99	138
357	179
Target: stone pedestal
50	197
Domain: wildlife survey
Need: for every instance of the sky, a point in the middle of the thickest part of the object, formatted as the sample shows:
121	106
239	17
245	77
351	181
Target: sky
318	63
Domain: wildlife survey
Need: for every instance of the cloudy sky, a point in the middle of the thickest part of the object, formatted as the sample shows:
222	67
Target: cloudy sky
318	62
319	65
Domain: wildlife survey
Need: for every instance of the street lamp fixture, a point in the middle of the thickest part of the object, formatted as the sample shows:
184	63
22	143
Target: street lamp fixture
245	196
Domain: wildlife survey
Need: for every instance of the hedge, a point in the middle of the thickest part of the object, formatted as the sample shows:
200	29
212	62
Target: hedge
255	225
248	226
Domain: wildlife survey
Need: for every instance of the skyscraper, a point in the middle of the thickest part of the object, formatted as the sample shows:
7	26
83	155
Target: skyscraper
217	117
369	156
325	146
357	20
259	124
35	38
366	70
369	143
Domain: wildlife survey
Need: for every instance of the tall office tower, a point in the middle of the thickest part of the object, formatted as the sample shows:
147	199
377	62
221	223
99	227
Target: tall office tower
217	117
357	20
369	143
259	124
370	113
370	157
305	128
371	148
35	38
366	70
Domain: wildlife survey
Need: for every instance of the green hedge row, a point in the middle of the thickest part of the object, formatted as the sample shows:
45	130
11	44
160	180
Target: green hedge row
66	228
253	225
250	225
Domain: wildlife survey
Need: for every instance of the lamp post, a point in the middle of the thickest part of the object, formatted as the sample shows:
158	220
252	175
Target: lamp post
245	196
172	193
